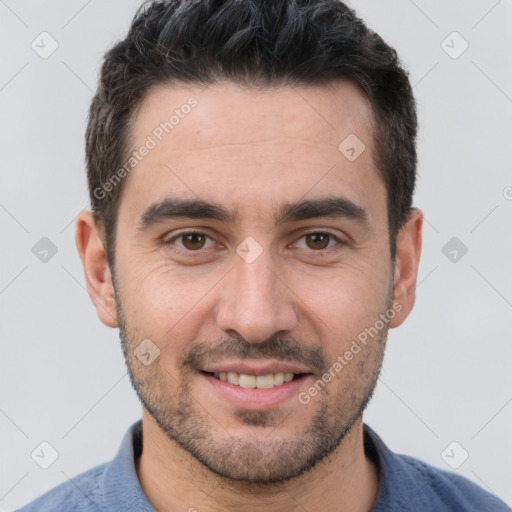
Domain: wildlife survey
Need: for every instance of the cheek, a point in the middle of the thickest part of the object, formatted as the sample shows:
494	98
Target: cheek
347	302
166	303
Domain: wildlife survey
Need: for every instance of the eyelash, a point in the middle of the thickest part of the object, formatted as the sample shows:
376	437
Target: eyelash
340	242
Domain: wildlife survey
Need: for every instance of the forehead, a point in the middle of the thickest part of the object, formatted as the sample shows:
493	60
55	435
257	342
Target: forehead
226	113
244	145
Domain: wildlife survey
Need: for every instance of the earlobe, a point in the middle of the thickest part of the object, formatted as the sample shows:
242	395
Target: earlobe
408	252
97	272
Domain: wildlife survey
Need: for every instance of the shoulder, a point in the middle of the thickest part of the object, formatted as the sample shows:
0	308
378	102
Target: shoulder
445	490
80	494
111	486
407	483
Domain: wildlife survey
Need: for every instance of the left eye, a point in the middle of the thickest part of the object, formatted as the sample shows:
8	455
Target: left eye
319	240
194	241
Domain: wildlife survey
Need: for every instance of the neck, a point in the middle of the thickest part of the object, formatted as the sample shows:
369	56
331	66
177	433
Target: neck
174	480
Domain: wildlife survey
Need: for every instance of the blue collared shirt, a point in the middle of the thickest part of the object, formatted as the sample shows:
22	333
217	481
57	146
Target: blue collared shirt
406	484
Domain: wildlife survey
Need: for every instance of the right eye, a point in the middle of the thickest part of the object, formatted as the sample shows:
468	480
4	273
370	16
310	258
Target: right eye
191	241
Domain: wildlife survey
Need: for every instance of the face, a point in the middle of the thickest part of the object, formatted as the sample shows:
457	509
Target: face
249	244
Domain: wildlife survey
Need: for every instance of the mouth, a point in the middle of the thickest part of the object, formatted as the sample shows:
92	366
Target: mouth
255	385
247	381
254	392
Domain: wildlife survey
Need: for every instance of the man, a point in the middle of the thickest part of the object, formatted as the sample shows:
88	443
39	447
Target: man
251	166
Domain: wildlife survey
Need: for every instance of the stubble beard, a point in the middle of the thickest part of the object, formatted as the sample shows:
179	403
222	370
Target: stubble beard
271	456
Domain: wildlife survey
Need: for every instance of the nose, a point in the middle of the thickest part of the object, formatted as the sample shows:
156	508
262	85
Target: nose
255	301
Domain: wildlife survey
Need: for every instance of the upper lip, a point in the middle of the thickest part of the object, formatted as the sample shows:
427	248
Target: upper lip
255	368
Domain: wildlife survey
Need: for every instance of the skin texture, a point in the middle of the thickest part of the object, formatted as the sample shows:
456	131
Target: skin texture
303	299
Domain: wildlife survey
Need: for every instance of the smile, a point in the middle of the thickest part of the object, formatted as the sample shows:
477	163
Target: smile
255	381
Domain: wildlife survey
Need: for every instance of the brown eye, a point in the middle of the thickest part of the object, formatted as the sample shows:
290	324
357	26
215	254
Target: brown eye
190	244
193	241
317	240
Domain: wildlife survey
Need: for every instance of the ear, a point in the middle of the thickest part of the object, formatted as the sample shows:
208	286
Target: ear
408	251
97	272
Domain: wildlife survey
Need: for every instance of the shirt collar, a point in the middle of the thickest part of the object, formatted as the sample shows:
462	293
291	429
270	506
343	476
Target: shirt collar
398	486
121	487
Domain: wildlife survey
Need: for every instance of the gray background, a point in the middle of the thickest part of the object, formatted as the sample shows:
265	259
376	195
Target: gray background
446	374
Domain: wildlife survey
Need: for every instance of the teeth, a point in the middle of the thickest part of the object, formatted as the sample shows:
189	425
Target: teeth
278	379
233	378
265	381
247	381
253	382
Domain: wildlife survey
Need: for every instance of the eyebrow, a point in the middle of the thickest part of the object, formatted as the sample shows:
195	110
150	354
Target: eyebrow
171	208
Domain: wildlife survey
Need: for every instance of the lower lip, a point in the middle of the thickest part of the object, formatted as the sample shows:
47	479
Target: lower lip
256	399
